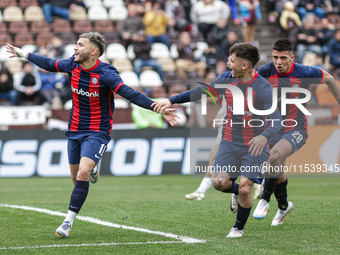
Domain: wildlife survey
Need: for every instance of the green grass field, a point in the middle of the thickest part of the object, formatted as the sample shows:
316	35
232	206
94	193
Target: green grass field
158	204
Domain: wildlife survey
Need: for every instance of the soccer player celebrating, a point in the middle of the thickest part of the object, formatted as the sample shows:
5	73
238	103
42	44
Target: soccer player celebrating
243	149
282	72
93	83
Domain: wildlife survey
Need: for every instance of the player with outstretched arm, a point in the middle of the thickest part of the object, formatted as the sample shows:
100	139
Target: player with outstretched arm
93	83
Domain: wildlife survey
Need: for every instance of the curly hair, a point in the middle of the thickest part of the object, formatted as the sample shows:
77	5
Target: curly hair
97	39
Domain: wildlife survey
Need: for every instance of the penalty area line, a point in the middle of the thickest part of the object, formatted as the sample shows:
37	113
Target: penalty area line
86	244
184	239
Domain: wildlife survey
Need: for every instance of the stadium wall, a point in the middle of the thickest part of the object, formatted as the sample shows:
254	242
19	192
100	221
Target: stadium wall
141	152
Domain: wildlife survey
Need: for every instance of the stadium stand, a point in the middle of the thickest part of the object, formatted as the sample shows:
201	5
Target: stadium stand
69	50
78	13
159	50
130	78
13	13
110	3
17	27
111	37
115	51
13	66
118	12
23	38
89	3
82	26
103	26
34	13
68	38
5	38
6	3
44	37
39	26
97	12
61	26
27	3
3	27
150	78
122	64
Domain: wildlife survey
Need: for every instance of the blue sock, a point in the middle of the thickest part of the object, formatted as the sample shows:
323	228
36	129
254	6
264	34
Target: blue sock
242	217
78	196
269	186
233	189
280	193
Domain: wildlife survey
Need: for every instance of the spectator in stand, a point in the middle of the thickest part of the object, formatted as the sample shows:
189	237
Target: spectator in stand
289	18
59	8
234	11
232	38
142	6
250	12
6	86
206	13
334	49
311	6
275	8
142	51
51	84
186	60
155	22
307	40
176	13
220	32
221	67
325	34
57	49
331	6
28	84
210	57
131	25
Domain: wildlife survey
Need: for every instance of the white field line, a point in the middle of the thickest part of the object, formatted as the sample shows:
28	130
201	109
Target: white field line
184	239
86	244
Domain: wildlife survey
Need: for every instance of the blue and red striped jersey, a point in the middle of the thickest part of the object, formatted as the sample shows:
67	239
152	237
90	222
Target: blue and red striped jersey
241	128
92	93
299	76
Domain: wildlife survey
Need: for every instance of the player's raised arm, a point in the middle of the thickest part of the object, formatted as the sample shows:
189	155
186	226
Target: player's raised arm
332	85
16	52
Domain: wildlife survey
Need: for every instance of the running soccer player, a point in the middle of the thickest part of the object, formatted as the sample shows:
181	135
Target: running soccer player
282	72
243	149
93	83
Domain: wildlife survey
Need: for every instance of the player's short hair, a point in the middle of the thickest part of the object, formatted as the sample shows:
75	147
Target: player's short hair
283	45
97	39
246	51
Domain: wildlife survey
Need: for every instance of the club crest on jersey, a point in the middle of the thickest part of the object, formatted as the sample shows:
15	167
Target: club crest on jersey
296	85
94	80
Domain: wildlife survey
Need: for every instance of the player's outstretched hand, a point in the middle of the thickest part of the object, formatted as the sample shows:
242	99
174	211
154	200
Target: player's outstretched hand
257	145
15	51
161	105
170	116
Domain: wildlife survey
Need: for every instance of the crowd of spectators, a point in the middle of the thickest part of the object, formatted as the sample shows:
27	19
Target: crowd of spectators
197	34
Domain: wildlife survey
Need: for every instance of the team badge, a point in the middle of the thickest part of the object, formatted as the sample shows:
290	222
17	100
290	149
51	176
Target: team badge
94	80
296	85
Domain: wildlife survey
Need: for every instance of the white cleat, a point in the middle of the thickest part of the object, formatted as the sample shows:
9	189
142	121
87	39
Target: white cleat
258	188
94	174
195	196
261	209
234	203
64	229
234	232
281	214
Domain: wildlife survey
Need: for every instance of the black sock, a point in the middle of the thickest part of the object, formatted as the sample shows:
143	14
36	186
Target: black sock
233	189
280	193
269	186
241	217
78	196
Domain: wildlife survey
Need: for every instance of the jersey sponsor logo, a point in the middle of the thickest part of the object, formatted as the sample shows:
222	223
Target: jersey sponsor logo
84	93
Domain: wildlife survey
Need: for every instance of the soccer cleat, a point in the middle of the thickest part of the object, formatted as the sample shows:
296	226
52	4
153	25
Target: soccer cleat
64	229
234	203
258	188
195	196
281	214
234	232
94	174
261	209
